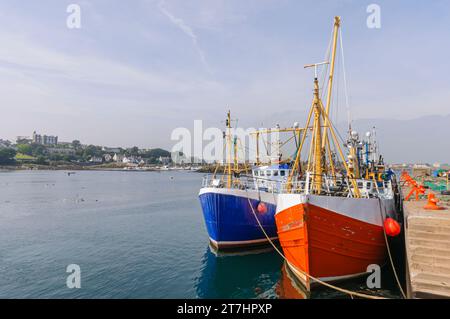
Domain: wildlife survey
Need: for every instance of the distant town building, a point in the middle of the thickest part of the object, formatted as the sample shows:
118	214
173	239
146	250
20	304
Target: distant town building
164	160
131	160
179	158
118	158
126	160
23	140
61	151
96	159
107	157
421	170
421	166
44	139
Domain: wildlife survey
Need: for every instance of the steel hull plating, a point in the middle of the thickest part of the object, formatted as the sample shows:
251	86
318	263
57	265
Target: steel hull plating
331	238
229	218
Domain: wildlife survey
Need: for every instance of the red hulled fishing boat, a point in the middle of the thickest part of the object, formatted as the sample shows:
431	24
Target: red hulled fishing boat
330	217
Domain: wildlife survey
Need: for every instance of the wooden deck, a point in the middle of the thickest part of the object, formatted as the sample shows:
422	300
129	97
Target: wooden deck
428	250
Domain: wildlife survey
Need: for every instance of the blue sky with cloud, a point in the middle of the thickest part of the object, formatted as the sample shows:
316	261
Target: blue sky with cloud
138	69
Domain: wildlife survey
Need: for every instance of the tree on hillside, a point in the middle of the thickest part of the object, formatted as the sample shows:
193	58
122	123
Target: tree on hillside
7	156
156	153
76	144
69	158
32	149
134	151
55	157
41	160
92	150
25	149
38	150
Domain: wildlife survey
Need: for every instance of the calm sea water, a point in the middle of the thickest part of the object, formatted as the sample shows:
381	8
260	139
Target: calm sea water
134	235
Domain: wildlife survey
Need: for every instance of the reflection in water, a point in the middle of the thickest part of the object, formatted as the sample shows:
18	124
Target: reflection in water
256	273
287	288
249	274
292	289
261	273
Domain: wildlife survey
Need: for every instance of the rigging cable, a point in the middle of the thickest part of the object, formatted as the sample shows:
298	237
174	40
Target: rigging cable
349	120
324	71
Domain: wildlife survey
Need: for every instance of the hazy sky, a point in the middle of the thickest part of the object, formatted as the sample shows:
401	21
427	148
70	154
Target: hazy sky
137	69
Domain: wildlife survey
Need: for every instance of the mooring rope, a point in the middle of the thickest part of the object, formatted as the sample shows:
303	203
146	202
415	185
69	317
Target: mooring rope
345	291
389	253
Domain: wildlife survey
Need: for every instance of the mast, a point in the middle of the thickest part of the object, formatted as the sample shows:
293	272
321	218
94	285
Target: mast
320	143
235	147
325	140
257	148
337	23
315	160
318	171
228	122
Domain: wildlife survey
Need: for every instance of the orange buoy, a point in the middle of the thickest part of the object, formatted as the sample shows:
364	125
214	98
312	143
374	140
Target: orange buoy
392	227
432	203
262	208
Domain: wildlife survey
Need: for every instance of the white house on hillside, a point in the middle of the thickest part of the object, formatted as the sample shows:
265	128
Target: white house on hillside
118	158
96	159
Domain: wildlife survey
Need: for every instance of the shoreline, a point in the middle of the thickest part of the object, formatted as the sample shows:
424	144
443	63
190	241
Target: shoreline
92	168
102	167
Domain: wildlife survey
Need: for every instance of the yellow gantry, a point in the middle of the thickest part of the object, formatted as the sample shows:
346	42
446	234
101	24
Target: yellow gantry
270	131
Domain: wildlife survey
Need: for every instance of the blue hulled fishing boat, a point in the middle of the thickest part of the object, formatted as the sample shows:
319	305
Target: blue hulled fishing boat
230	200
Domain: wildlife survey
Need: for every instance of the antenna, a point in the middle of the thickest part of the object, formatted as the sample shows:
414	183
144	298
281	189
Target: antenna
315	67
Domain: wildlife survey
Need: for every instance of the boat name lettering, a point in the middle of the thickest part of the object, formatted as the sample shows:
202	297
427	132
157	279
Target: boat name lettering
294	224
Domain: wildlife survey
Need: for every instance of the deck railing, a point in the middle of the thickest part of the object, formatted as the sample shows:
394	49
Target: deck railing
331	186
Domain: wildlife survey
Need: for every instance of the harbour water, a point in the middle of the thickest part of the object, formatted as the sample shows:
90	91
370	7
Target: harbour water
133	234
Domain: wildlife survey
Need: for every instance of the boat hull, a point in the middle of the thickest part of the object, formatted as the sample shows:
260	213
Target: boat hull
331	238
229	218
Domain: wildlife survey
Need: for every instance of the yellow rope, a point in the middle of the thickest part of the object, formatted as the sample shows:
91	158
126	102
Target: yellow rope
389	253
349	292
